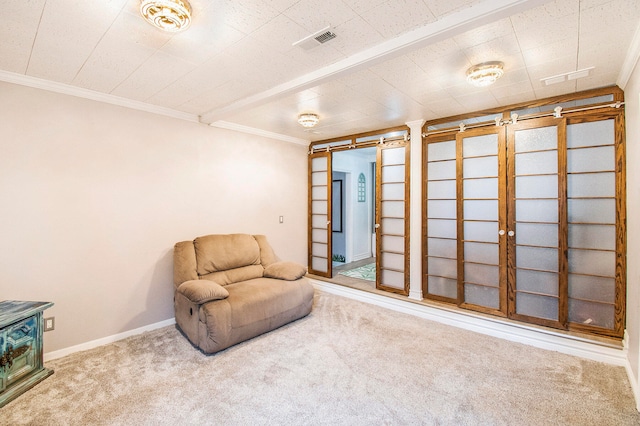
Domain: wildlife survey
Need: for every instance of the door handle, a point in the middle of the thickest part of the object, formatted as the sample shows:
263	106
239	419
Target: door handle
501	232
511	233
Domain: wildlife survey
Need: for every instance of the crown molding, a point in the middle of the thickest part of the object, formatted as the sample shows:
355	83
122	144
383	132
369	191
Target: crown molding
450	25
258	132
630	61
66	89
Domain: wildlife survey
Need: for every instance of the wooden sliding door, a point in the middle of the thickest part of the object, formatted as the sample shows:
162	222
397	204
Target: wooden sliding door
319	227
392	217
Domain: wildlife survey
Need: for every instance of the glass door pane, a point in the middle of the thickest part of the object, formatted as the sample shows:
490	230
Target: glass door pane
320	214
392	242
481	226
537	221
592	241
441	217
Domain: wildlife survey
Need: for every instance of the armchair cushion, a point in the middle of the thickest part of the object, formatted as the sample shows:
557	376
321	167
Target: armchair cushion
202	291
289	271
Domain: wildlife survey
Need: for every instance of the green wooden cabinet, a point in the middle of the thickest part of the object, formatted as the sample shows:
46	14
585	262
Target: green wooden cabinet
21	355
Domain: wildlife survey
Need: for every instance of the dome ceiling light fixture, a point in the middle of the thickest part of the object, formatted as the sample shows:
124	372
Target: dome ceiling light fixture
168	15
308	119
485	74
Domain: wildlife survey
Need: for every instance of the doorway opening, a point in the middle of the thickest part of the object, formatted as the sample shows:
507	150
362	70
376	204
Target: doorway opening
353	210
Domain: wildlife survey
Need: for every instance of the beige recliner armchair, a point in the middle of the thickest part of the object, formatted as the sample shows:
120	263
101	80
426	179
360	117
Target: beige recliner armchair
230	288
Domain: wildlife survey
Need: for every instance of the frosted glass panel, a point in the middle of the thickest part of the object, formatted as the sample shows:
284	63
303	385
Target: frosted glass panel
392	156
441	247
442	209
481	231
537	211
592	288
591	185
393	243
445	228
537	163
319	206
393	226
319	192
480	167
393	208
590	134
482	274
393	173
591	159
319	221
536	139
537	282
480	145
482	296
442	267
481	253
441	151
319	164
392	279
441	189
537	187
444	287
592	236
319	235
545	259
319	249
537	306
441	170
319	264
481	209
393	261
592	211
535	234
592	262
393	191
591	313
319	178
480	188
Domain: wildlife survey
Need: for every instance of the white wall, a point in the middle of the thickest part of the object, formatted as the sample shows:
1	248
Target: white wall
93	197
632	115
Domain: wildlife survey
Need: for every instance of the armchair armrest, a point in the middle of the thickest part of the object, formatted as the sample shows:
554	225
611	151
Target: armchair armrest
202	291
289	271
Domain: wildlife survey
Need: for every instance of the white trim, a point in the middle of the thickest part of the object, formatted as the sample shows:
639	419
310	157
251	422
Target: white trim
361	256
415	208
259	132
521	333
48	356
80	92
635	388
630	61
442	29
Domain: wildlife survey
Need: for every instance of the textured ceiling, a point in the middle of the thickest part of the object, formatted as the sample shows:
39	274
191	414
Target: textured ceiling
391	62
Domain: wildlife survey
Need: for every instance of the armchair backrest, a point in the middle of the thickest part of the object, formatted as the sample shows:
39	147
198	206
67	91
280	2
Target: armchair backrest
224	259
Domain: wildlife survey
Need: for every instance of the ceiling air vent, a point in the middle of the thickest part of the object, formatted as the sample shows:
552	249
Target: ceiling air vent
316	39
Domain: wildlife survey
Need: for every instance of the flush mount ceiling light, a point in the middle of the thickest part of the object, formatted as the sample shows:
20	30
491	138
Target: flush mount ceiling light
308	119
484	74
168	15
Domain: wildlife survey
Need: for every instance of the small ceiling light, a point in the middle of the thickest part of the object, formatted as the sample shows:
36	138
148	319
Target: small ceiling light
485	74
308	120
168	15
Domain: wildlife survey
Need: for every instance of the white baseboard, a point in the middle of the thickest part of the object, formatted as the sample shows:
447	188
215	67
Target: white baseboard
48	356
545	339
361	256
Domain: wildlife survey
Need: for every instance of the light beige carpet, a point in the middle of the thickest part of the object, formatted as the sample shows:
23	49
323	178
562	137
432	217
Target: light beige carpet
347	363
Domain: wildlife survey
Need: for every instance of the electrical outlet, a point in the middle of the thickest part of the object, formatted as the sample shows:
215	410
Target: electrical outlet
50	324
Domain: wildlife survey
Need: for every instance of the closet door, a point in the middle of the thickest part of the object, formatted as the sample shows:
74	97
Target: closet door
392	220
482	220
320	214
441	229
537	230
595	221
